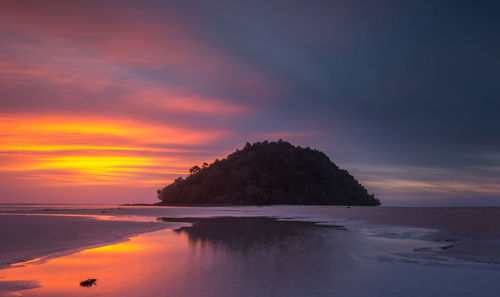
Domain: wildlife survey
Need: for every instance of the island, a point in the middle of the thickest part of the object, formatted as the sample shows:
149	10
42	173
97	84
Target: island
268	173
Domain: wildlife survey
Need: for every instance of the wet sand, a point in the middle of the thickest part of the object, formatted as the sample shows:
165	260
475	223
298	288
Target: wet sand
471	222
275	251
28	237
473	232
254	256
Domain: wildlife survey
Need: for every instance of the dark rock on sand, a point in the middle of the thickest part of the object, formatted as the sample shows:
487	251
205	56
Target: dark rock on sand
88	283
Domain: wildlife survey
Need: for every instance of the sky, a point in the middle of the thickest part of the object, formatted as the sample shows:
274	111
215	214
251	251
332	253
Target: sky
107	101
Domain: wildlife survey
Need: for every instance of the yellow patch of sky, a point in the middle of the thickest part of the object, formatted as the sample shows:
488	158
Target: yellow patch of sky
86	150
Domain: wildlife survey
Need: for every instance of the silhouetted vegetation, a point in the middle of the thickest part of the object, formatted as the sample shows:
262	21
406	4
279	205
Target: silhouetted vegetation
266	173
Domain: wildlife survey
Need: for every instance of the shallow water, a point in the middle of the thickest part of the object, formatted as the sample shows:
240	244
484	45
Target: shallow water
253	257
7	207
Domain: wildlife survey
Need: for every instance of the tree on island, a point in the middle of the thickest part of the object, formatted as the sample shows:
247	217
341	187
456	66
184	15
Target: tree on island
194	169
265	173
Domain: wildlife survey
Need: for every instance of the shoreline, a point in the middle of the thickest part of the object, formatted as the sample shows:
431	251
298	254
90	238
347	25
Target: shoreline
29	238
472	233
465	221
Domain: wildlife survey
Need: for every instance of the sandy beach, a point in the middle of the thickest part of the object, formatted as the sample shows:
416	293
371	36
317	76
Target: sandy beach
28	237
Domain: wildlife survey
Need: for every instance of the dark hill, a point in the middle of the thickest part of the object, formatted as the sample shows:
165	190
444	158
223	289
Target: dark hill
268	173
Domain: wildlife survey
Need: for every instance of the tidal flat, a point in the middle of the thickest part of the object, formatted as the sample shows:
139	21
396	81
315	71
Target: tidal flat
248	251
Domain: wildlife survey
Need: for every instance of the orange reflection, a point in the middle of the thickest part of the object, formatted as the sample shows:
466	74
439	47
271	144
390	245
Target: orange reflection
120	269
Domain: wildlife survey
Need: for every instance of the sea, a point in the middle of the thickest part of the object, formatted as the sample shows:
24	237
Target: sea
271	251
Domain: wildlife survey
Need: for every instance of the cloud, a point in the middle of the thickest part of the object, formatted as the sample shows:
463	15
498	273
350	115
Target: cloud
93	150
112	94
375	86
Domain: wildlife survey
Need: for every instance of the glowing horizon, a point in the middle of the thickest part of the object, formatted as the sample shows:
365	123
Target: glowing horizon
91	150
125	97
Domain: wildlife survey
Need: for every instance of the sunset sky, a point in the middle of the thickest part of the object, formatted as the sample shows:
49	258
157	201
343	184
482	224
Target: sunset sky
107	101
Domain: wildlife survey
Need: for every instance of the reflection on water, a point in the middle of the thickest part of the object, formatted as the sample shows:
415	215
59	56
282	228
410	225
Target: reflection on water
247	257
240	257
121	268
249	233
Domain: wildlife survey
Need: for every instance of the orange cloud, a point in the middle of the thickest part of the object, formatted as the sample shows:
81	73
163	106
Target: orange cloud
96	29
21	130
85	150
105	94
170	100
202	105
93	46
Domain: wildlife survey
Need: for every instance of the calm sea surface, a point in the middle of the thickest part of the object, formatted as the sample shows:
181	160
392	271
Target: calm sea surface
245	253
